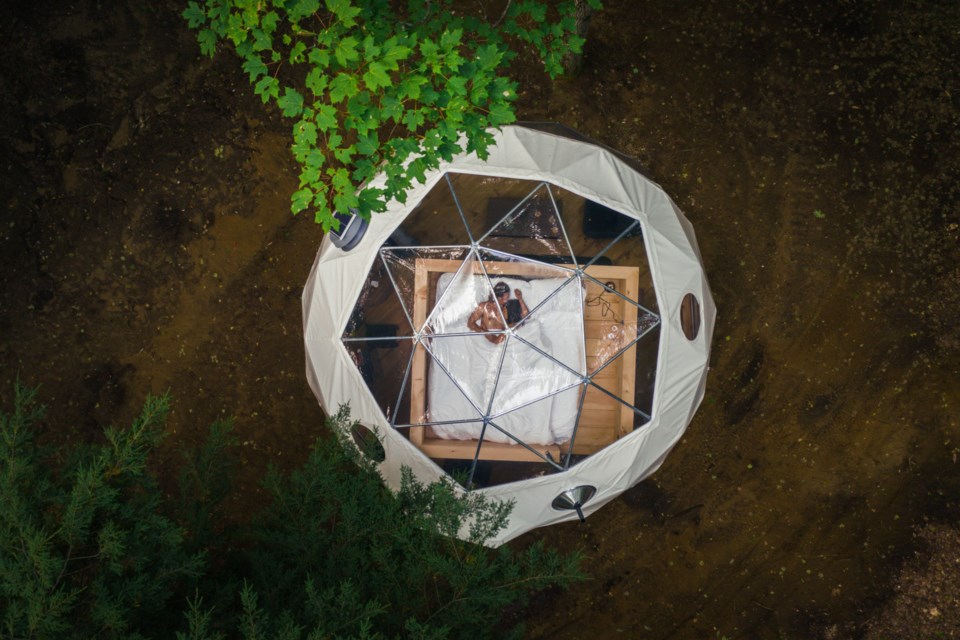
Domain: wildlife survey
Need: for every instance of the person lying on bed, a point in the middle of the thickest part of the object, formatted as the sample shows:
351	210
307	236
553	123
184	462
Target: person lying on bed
486	317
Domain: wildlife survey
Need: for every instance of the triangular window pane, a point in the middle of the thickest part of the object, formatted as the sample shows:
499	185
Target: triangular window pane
530	226
378	312
436	399
465	303
526	376
618	395
605	235
383	365
472	363
436	221
631	375
549	420
555	326
543	278
612	321
474	194
414	274
604	419
499	441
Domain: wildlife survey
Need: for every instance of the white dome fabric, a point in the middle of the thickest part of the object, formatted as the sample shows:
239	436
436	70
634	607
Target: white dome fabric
560	165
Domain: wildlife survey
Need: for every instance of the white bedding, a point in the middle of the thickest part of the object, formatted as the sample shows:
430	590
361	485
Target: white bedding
521	400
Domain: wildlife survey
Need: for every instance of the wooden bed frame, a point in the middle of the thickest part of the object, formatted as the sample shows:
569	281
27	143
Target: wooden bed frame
603	419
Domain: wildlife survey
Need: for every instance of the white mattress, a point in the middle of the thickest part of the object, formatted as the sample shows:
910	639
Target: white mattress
521	399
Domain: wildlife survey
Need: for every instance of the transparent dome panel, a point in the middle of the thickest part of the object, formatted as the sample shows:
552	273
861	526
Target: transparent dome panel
548	420
485	200
525	376
612	321
529	227
554	326
435	220
629	380
378	312
604	418
501	263
471	362
594	229
412	273
383	364
466	302
437	399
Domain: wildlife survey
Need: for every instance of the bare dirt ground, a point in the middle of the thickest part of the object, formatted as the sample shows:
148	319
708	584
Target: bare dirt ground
147	246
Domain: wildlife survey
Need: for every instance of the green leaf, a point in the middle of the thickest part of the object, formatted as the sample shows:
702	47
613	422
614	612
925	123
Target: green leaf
298	9
346	51
413	119
346	200
446	150
309	175
376	76
344	154
317	81
393	53
402	147
319	57
262	41
500	114
489	57
430	51
296	53
391	108
451	39
194	15
344	85
372	200
254	67
267	88
269	22
291	103
410	86
326	117
368	144
371	49
344	10
305	132
457	85
417	169
300	200
208	42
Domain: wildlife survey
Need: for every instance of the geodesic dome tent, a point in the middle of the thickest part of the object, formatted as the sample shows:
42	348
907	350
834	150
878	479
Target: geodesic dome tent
559	394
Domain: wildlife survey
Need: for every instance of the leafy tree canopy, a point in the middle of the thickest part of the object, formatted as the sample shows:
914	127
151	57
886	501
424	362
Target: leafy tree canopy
376	85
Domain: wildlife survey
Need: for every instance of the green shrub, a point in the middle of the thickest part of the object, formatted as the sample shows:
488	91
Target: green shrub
91	547
342	555
85	550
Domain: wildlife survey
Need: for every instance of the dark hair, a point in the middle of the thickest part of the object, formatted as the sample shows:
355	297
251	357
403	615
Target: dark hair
501	288
514	314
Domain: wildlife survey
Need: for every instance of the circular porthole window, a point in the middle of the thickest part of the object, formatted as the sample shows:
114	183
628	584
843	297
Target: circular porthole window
368	443
690	316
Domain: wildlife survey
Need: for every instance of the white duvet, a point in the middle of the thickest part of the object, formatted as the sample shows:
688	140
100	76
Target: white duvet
522	400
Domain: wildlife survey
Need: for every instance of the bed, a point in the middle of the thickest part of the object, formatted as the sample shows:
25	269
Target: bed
523	398
533	399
